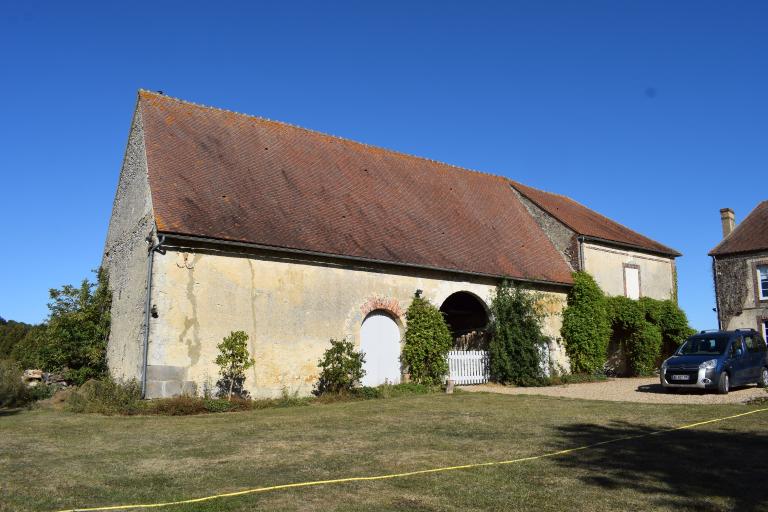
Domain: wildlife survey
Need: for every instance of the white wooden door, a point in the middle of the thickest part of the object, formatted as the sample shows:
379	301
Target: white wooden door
380	341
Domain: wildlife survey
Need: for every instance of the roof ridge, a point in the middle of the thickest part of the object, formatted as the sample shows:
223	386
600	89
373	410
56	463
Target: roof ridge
324	134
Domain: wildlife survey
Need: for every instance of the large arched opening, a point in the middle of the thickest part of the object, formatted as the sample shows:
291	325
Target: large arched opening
468	319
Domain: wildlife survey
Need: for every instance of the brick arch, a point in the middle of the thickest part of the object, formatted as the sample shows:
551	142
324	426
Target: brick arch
388	304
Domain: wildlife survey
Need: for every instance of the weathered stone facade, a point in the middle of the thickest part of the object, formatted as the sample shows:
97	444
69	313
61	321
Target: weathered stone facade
738	300
125	258
289	307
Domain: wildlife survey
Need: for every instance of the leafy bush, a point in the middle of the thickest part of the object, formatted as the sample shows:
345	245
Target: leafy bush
427	343
73	341
644	327
586	328
13	392
516	336
41	392
233	360
106	397
341	368
368	392
644	348
217	405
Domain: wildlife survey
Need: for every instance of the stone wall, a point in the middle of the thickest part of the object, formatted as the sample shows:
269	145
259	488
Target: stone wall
125	258
289	307
562	237
738	302
606	265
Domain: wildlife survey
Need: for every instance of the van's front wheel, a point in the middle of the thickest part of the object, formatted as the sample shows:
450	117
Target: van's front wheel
763	382
723	384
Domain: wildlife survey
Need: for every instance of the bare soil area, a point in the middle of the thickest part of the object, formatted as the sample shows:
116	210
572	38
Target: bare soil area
642	390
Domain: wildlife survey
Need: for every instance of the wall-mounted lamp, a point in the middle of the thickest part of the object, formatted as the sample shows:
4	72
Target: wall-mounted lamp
419	291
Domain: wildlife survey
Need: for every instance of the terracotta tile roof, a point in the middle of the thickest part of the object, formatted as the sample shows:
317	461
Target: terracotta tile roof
749	236
589	223
227	176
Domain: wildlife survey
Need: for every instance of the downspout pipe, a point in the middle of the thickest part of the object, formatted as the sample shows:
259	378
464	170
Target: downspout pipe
153	248
580	240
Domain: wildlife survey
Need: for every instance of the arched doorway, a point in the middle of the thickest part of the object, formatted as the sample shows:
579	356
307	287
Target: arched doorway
467	317
380	341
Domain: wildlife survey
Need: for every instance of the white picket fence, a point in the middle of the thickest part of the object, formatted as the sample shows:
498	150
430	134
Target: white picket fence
468	366
471	366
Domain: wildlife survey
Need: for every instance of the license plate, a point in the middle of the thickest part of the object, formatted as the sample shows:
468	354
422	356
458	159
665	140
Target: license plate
679	377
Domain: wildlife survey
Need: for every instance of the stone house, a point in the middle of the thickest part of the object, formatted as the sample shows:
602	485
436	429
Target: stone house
740	271
224	222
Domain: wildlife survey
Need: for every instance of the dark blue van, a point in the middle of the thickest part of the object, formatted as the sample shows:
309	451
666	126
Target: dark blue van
717	360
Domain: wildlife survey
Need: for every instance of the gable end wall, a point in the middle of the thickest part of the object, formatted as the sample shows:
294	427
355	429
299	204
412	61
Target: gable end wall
738	301
561	236
125	258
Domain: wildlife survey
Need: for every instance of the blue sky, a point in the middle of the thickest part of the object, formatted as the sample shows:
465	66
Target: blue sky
654	113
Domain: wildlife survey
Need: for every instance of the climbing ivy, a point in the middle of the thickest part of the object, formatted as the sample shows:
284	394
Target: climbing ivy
586	327
516	337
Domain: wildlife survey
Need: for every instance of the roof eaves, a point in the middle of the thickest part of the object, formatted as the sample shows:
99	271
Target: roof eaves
291	250
671	252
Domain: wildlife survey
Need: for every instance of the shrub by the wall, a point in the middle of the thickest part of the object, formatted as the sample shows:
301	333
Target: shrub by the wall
516	337
106	396
233	361
427	343
586	328
341	368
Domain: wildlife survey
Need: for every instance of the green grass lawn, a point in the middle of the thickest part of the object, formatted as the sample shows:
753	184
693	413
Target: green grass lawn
53	460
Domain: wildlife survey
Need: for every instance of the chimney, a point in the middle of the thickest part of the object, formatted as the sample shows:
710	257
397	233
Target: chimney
728	218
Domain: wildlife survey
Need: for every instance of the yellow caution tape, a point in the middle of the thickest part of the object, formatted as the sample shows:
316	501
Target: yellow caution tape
402	475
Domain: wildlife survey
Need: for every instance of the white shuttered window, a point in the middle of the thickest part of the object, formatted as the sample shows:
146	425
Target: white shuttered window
632	282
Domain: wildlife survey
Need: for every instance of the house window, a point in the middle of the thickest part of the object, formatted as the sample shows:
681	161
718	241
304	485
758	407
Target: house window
632	281
765	330
762	281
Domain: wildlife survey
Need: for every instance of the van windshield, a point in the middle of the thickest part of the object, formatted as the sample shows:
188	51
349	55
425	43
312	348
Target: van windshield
704	346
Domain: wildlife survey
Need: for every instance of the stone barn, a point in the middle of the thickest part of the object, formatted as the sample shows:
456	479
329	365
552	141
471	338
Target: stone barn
224	222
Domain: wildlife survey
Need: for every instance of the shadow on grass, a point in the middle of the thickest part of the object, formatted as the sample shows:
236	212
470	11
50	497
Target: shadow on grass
10	412
683	469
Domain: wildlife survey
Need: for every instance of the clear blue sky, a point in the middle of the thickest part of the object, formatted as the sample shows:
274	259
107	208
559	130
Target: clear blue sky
654	113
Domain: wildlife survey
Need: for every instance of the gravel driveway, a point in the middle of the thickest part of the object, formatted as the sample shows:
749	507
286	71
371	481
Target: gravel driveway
627	390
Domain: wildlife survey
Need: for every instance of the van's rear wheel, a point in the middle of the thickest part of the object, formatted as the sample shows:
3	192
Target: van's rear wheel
763	382
723	384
